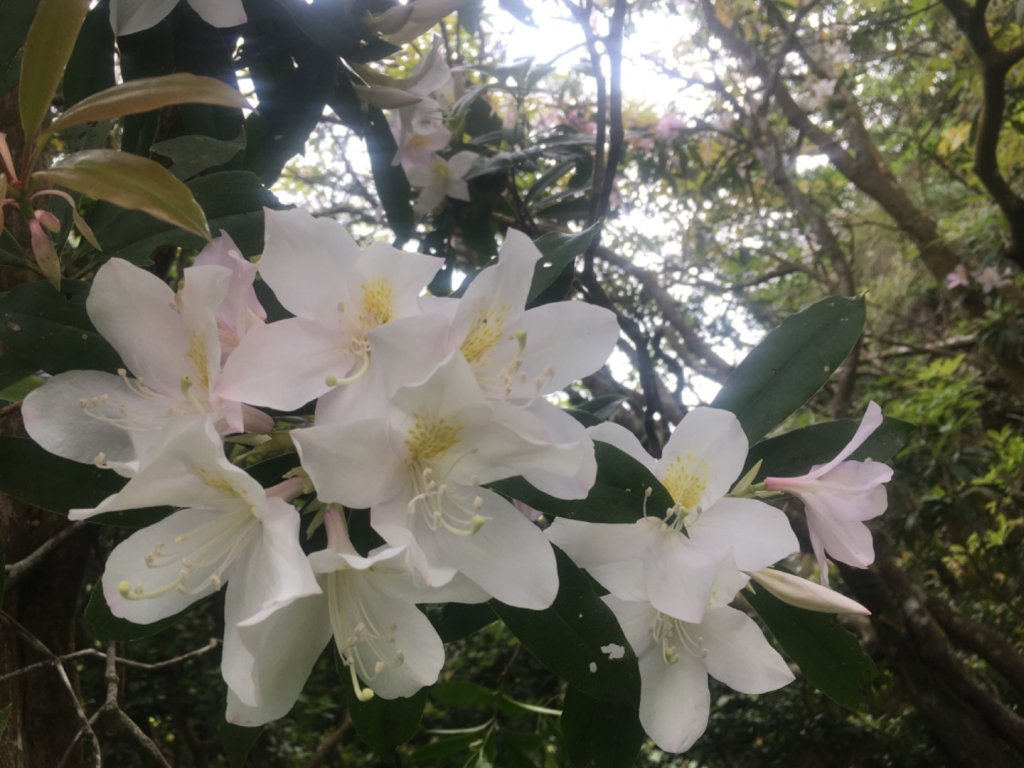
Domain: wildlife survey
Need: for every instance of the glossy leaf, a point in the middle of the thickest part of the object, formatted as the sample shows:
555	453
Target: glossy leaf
383	724
238	742
18	391
132	182
568	637
600	734
792	363
618	495
560	252
17	16
191	155
91	66
454	621
12	370
50	331
392	186
108	628
146	94
794	453
829	657
51	38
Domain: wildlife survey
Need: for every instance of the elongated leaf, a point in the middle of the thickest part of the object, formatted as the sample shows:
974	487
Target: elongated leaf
51	38
50	331
560	252
17	16
107	627
618	494
578	638
829	657
13	370
238	742
136	183
794	453
191	155
454	621
30	474
383	723
792	363
20	390
147	94
91	66
600	734
392	186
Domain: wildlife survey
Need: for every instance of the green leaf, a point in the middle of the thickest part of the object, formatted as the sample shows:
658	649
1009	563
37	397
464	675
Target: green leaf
792	363
383	723
794	453
146	94
18	391
107	627
51	38
829	657
91	66
17	16
569	636
560	252
600	734
50	331
602	407
454	621
392	186
30	474
132	182
237	742
618	494
191	155
12	370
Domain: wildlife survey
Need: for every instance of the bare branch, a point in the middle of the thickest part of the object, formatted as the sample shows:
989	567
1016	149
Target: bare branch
17	570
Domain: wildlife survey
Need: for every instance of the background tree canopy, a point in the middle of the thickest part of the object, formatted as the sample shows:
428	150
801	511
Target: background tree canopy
796	150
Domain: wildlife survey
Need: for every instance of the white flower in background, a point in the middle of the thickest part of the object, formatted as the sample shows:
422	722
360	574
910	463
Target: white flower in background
653	560
990	279
420	468
838	497
231	531
441	178
676	657
338	294
368	606
130	16
416	150
170	344
241	309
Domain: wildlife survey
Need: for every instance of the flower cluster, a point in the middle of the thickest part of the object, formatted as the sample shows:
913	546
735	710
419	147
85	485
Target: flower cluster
421	402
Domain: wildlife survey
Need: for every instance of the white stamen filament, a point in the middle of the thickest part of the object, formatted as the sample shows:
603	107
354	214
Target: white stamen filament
442	508
667	629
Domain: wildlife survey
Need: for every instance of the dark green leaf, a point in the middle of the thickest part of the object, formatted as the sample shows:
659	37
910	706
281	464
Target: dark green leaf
13	370
384	723
600	734
569	636
392	186
50	331
18	391
446	746
794	453
602	407
792	363
91	67
462	693
829	657
17	16
454	621
191	155
30	474
618	494
107	627
238	742
559	254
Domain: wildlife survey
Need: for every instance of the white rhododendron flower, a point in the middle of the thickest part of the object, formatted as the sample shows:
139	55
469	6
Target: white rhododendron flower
806	594
170	344
241	309
441	178
338	294
653	559
838	497
130	16
676	657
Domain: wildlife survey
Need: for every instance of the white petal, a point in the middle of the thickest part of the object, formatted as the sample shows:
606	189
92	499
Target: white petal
593	544
847	542
703	457
307	262
871	421
674	700
220	13
200	297
133	310
680	576
619	437
636	619
130	16
738	653
757	534
806	594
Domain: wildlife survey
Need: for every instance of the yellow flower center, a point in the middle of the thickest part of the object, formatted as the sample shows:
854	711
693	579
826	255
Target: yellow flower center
484	333
378	305
686	480
431	437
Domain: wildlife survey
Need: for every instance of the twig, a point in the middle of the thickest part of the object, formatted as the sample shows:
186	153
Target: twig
17	570
330	742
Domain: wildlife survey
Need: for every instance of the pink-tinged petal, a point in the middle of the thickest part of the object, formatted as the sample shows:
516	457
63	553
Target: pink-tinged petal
845	541
127	565
130	16
134	311
680	575
241	308
405	274
703	457
806	594
756	534
818	547
220	13
674	699
284	365
636	619
353	464
202	293
565	341
508	556
275	661
308	263
738	654
872	420
619	437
